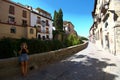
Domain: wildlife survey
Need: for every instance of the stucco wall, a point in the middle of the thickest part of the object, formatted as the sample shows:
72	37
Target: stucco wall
21	32
4	14
5	31
11	67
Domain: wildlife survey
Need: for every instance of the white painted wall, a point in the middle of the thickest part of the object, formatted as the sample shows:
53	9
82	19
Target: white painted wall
33	23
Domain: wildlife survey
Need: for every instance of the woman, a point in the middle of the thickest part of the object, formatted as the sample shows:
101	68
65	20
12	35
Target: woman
23	58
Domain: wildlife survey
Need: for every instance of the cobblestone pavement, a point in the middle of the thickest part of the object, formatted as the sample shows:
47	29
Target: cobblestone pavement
89	64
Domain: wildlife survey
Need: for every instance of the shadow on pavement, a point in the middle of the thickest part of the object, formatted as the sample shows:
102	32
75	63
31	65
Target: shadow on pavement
90	69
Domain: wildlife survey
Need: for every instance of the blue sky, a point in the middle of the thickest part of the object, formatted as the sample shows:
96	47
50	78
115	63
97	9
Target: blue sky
76	11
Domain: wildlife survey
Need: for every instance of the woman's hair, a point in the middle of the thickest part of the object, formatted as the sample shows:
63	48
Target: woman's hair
24	44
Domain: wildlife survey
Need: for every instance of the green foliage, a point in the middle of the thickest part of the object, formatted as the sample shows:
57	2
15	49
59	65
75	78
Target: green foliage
54	18
10	47
83	38
72	40
60	17
7	48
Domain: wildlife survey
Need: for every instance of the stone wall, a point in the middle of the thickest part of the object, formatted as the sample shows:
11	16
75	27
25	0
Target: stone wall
11	67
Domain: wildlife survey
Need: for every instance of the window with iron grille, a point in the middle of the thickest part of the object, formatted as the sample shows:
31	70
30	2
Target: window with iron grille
11	9
24	14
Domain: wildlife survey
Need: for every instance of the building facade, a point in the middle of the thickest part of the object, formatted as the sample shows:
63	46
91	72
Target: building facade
15	21
68	27
42	21
19	21
106	26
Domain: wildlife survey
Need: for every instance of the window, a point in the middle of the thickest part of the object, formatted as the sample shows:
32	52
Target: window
24	14
11	20
47	30
24	23
39	28
43	37
11	9
69	29
106	24
39	36
47	36
38	20
43	23
47	23
13	30
31	31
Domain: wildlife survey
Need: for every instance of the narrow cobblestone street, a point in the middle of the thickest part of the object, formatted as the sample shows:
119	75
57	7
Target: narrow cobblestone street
89	64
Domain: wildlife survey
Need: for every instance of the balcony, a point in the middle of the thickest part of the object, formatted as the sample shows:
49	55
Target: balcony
12	22
24	25
43	31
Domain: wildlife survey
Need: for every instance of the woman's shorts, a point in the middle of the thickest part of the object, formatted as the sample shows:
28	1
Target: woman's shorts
23	57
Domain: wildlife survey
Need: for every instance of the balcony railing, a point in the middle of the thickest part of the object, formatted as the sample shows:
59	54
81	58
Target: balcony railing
43	31
11	22
24	25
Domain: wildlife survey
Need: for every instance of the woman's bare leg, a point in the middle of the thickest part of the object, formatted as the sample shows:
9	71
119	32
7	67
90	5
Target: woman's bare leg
22	68
25	67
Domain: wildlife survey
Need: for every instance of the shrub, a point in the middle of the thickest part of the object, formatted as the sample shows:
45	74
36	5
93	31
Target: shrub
10	47
83	38
72	40
7	48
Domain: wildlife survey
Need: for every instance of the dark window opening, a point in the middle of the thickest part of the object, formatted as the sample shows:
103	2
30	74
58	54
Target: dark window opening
43	37
13	30
47	23
39	36
47	36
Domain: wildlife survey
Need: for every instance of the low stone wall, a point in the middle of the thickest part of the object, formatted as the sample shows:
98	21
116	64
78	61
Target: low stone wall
11	67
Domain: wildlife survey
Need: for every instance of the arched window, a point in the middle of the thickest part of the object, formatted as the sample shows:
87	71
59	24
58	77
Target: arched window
39	36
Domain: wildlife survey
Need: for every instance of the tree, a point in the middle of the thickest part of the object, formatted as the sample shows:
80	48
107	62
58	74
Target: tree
54	18
71	40
58	24
58	20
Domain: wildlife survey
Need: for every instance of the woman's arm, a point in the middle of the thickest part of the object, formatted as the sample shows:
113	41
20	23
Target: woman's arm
26	50
20	51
